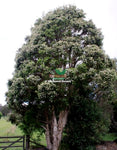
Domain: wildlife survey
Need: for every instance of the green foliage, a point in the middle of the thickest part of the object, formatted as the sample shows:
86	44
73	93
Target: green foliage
85	124
109	137
113	127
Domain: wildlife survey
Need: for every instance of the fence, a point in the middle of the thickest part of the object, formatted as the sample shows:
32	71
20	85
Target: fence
12	142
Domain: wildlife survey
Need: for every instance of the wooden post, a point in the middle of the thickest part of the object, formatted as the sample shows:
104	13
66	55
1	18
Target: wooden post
23	142
27	142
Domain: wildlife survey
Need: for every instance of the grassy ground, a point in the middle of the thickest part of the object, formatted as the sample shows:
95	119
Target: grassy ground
110	137
41	140
8	129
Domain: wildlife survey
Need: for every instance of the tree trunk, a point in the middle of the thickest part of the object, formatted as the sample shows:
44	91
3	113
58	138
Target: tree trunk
54	130
49	144
54	134
61	124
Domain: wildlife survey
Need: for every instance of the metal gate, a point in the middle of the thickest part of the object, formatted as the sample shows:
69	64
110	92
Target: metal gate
12	142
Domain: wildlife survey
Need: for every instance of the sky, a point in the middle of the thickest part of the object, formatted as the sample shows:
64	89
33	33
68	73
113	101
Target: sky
18	16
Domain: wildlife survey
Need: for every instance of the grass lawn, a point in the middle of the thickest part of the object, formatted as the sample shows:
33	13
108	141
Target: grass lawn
110	137
41	140
8	129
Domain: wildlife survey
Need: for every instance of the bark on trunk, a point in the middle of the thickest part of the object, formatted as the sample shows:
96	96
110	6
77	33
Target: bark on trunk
49	144
54	124
54	130
61	124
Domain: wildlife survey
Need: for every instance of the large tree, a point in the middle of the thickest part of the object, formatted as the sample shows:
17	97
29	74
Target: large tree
65	39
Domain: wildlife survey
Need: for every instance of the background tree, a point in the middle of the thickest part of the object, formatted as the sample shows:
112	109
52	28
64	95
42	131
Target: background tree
0	115
61	39
5	110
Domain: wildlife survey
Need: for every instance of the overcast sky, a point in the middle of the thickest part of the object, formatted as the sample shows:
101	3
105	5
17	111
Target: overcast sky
18	16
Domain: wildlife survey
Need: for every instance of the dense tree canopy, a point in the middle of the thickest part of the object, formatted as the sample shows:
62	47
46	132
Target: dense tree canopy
65	39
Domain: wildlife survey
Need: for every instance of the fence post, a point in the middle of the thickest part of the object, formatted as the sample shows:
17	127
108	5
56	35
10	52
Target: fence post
27	142
23	142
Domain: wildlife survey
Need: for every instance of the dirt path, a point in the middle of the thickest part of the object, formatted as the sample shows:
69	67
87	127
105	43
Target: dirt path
40	149
107	146
103	146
